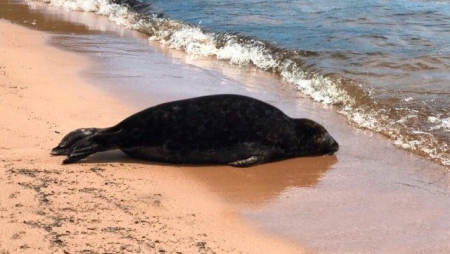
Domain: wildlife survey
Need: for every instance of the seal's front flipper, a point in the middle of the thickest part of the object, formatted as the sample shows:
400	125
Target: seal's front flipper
246	163
70	139
90	145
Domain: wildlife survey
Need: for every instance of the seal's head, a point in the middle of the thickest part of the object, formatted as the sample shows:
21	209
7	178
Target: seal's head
314	139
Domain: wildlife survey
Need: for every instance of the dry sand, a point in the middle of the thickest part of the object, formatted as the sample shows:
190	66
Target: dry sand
109	204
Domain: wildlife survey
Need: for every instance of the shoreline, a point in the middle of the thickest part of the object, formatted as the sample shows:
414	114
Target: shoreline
104	204
422	134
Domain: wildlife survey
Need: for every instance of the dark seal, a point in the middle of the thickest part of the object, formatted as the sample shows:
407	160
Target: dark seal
218	129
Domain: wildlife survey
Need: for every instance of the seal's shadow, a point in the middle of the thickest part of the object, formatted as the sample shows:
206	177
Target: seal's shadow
261	184
255	185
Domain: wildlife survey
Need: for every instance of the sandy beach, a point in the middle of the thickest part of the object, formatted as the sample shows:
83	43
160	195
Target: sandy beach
85	71
110	204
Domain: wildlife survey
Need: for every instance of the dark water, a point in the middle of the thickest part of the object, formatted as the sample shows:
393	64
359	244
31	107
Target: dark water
383	64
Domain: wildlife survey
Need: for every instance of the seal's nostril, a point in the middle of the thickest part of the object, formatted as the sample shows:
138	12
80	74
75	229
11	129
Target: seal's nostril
333	146
332	141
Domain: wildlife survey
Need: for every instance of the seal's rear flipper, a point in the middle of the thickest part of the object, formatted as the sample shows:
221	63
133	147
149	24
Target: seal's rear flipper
70	139
92	144
82	149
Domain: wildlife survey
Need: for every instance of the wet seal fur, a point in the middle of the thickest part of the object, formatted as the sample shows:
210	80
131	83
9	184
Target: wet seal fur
218	129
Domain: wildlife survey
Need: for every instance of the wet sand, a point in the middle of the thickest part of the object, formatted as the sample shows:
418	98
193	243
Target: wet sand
108	204
369	198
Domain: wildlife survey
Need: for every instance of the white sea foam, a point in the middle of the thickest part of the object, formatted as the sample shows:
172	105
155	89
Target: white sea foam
404	136
408	99
440	124
194	40
320	88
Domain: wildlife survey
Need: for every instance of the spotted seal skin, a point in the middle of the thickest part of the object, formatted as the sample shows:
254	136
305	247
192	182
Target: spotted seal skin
219	129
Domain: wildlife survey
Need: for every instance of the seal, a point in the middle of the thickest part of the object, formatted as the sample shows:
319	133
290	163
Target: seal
218	129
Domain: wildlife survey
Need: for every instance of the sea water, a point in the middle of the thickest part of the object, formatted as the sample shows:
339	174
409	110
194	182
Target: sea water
384	65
